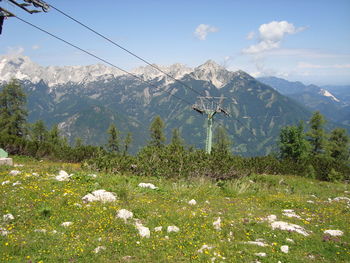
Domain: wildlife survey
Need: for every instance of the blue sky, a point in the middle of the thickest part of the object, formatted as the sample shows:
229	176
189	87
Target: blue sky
306	40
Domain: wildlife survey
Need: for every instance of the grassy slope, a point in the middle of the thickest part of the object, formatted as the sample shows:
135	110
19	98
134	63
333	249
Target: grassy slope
40	202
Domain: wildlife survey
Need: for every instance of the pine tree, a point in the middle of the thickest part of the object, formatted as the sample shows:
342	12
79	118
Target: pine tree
39	132
113	139
54	135
339	144
12	110
176	140
222	142
157	132
127	143
293	144
317	135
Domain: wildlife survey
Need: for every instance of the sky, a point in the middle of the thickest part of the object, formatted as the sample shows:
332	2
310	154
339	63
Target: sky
299	40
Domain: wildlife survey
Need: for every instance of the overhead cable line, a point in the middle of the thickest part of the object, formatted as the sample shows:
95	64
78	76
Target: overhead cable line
99	58
126	50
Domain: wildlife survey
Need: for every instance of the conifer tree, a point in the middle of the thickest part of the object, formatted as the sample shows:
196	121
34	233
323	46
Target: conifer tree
39	132
54	135
176	140
127	143
113	139
292	143
339	144
222	142
157	132
12	110
317	135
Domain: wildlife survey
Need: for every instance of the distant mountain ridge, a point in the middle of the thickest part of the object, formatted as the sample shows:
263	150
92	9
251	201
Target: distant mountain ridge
336	107
85	100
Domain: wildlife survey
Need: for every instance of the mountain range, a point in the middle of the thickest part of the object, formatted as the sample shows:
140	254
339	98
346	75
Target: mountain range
85	100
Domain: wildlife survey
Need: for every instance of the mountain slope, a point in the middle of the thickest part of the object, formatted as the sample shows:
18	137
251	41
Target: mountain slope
313	97
89	100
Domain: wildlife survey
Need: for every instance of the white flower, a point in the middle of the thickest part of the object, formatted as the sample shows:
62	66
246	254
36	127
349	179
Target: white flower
192	202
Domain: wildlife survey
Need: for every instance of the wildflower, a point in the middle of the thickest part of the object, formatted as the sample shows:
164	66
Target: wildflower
192	202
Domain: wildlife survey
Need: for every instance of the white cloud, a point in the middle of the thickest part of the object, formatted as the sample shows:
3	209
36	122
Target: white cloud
35	47
271	36
317	66
251	35
203	30
15	51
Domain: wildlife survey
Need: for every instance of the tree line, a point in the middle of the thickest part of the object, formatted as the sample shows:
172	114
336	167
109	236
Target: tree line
308	152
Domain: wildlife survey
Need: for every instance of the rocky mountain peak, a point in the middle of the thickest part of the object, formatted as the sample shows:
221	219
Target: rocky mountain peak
150	72
213	72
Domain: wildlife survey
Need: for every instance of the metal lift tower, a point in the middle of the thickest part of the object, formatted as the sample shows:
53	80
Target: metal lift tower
209	106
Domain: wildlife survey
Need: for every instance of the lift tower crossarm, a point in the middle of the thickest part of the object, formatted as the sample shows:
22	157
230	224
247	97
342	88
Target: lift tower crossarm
208	106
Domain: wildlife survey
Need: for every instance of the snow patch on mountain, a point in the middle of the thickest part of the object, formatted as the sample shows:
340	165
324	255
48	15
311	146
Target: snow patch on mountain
326	93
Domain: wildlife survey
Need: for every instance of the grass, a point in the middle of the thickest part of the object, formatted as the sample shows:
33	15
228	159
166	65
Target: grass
40	202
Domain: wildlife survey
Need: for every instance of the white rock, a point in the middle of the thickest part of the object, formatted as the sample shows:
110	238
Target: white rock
341	198
143	231
166	237
217	224
270	218
261	254
334	233
207	202
99	248
310	201
8	217
5	182
290	240
40	230
285	249
4	232
92	175
289	227
16	183
258	243
62	176
66	224
100	195
18	165
148	185
203	248
290	213
173	229
158	228
14	172
124	214
192	202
